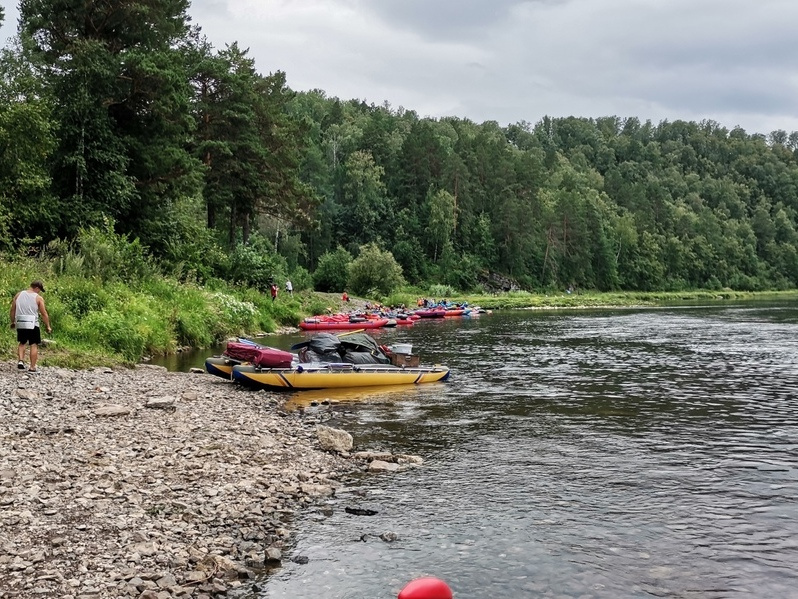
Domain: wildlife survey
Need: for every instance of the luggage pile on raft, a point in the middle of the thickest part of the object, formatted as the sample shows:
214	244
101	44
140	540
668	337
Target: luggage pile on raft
324	361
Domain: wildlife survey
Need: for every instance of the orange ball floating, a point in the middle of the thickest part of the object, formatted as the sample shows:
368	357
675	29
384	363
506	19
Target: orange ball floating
426	588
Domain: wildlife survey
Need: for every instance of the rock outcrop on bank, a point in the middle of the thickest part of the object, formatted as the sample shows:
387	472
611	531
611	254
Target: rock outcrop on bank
149	484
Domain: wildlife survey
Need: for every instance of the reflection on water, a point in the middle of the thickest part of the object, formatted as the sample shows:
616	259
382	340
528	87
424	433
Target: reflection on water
636	453
305	399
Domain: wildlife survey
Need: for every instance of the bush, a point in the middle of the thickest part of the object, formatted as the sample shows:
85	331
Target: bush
461	271
441	291
375	271
332	273
253	268
316	305
102	254
240	315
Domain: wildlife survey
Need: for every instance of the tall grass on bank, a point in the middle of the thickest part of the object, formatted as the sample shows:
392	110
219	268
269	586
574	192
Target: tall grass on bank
100	322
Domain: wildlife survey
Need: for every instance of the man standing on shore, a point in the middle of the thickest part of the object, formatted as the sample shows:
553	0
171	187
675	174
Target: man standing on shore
26	307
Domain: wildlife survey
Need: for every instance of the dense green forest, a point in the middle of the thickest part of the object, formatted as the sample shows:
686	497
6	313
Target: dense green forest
120	115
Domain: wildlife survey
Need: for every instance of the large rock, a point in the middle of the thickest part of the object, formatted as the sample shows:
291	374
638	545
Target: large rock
333	439
494	282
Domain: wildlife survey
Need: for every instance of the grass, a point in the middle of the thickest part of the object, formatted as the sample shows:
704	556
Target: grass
98	322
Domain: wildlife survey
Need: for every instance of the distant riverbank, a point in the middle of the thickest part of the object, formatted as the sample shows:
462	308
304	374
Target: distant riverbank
109	323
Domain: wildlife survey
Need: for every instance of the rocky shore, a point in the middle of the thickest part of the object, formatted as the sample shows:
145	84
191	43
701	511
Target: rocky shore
150	484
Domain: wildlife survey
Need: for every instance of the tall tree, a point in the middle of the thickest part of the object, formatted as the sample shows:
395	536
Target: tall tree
364	202
117	75
248	142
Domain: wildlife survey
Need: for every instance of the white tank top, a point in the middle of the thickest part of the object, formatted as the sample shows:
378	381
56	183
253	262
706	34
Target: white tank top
27	315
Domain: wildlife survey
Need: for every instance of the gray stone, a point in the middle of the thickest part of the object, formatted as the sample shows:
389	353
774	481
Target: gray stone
112	410
333	439
160	403
380	466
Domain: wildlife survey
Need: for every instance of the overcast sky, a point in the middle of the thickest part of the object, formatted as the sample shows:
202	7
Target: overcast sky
732	61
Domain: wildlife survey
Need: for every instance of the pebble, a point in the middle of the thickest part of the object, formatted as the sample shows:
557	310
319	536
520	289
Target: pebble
145	483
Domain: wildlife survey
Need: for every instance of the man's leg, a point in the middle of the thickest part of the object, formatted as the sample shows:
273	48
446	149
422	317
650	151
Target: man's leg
34	355
21	352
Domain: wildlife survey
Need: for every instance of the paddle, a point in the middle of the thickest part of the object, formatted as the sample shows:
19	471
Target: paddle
302	344
351	332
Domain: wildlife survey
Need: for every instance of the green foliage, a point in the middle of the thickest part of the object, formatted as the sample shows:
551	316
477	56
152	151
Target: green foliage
442	221
214	173
365	207
410	256
80	297
301	279
121	101
374	270
251	267
101	253
332	273
316	305
439	291
128	325
461	272
27	140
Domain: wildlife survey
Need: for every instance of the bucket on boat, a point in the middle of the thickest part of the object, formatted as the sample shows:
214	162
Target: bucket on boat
402	348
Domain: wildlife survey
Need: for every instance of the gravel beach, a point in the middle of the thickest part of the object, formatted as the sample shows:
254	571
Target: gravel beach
150	484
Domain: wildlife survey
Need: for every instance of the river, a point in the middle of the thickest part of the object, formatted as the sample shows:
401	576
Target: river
603	454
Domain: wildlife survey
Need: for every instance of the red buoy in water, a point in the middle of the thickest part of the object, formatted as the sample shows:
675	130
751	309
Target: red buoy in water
426	588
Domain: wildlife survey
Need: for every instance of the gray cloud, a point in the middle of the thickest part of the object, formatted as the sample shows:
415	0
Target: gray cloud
733	61
442	19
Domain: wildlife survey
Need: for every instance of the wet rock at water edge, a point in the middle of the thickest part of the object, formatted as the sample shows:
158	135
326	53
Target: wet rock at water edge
358	511
332	439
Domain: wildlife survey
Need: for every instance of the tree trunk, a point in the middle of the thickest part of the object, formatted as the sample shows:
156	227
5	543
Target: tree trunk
232	231
245	230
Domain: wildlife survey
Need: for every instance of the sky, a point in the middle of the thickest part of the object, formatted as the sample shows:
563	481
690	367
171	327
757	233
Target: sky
731	61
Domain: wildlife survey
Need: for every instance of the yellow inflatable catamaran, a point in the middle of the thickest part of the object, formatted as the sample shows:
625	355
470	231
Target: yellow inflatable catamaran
337	376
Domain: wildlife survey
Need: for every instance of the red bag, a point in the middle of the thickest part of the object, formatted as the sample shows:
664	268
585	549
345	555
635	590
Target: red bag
268	357
245	352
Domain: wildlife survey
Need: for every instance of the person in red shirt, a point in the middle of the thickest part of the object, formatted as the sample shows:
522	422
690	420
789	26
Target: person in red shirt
345	297
274	291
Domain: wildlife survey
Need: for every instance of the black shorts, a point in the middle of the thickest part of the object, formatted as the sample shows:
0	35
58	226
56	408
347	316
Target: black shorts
32	336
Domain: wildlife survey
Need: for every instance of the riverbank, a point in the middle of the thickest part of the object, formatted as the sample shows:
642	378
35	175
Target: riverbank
149	484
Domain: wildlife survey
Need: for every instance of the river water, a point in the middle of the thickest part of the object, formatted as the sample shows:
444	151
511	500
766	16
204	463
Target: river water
603	454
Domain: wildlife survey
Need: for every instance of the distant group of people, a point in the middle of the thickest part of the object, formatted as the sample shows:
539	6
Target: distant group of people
273	288
444	303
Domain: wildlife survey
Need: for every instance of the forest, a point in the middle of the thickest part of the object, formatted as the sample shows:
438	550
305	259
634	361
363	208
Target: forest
121	117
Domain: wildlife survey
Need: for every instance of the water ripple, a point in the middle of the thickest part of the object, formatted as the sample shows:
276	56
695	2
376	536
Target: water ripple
605	454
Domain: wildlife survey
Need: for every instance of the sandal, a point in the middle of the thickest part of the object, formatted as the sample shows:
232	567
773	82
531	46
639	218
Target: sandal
21	365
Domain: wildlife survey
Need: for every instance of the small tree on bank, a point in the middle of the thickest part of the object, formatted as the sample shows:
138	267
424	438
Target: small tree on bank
375	270
332	272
